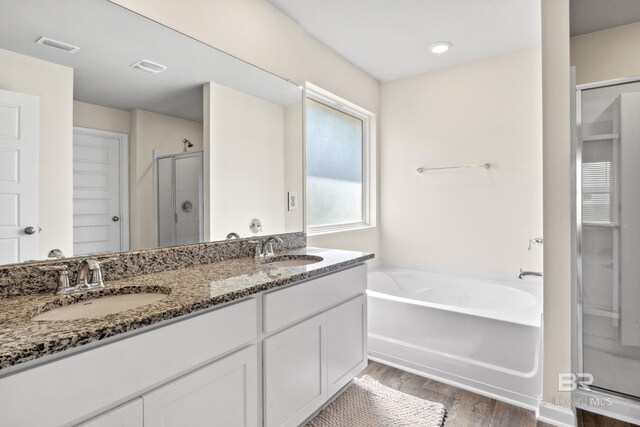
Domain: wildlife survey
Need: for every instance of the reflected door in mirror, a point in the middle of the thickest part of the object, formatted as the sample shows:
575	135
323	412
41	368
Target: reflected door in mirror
19	117
98	185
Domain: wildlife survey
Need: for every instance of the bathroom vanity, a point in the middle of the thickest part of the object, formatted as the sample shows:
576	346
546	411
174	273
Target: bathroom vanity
235	343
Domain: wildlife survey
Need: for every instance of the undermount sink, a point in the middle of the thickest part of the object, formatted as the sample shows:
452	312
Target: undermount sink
102	306
293	260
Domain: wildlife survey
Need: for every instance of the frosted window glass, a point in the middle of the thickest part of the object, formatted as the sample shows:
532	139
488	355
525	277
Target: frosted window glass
334	166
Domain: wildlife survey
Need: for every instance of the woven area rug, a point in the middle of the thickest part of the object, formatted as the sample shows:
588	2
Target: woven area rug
367	403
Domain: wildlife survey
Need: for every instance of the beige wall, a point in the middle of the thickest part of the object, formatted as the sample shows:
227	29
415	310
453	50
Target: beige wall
148	132
557	196
607	54
293	166
245	155
472	219
98	117
53	84
256	32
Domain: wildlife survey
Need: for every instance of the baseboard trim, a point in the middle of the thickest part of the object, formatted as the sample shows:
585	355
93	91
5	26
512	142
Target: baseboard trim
556	415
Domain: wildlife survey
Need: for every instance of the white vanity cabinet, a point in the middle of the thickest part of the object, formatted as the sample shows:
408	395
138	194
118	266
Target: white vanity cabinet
346	342
272	359
308	362
128	415
294	373
85	383
223	393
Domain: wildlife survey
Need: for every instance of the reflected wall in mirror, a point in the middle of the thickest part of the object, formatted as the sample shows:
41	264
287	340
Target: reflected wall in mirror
135	138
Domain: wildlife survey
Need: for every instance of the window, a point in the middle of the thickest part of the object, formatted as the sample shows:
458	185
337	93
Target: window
597	193
337	164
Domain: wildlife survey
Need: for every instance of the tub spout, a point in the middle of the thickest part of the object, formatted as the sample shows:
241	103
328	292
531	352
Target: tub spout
523	274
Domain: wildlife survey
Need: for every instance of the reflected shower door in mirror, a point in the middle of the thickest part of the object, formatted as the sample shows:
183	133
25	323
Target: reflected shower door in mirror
135	138
179	208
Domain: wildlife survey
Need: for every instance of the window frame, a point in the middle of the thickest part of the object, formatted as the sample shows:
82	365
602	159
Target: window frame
329	100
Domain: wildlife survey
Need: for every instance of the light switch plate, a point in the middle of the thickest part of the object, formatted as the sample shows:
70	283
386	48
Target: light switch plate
293	200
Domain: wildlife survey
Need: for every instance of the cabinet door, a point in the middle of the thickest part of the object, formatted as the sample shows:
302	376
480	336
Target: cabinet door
223	393
294	373
127	415
346	342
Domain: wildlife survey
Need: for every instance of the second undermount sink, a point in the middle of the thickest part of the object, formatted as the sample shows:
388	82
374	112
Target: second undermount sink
102	306
293	260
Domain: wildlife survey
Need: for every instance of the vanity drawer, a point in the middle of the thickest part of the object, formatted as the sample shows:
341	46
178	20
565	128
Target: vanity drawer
286	306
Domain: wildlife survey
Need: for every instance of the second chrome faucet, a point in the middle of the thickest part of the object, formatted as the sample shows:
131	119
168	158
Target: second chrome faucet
264	249
90	276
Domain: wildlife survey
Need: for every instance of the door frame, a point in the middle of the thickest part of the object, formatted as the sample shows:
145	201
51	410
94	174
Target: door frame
123	140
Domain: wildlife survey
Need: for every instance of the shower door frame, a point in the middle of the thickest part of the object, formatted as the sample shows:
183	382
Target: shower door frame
156	189
622	407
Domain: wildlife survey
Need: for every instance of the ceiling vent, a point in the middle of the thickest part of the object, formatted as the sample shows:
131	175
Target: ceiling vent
46	41
148	66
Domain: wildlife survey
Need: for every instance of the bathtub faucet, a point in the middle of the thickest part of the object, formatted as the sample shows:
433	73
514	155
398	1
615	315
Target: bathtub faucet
523	274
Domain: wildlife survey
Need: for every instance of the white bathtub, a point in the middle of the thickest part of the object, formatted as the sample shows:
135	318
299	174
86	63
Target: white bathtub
475	333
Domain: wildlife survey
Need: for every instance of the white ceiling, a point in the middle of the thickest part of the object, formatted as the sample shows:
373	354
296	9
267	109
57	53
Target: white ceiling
588	16
112	38
389	39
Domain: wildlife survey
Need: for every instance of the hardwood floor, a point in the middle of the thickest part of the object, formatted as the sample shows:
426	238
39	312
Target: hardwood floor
589	419
464	409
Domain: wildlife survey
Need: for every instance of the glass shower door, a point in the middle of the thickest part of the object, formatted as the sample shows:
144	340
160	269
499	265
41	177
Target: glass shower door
188	179
179	199
609	183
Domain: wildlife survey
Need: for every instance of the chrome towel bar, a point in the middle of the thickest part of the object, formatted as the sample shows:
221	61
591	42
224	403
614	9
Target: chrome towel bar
484	165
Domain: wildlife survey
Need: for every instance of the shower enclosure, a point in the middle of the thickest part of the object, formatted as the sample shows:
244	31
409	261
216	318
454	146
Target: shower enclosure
179	198
607	251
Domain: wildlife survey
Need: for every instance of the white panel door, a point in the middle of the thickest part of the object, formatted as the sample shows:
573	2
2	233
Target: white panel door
224	393
128	415
96	192
19	131
294	373
346	342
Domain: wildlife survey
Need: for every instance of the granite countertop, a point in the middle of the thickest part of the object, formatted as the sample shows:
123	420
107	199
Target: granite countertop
23	339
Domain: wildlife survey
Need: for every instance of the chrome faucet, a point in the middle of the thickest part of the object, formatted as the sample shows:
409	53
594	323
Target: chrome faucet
523	274
90	276
89	267
267	246
265	249
64	287
233	235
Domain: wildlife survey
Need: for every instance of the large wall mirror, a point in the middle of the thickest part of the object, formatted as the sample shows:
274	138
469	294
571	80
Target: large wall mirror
118	133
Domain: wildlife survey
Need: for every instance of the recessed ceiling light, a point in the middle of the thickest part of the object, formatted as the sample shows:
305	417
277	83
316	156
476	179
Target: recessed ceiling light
46	41
149	66
440	47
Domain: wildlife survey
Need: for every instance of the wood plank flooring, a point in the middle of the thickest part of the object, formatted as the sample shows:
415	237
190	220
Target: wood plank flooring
467	409
464	408
589	419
